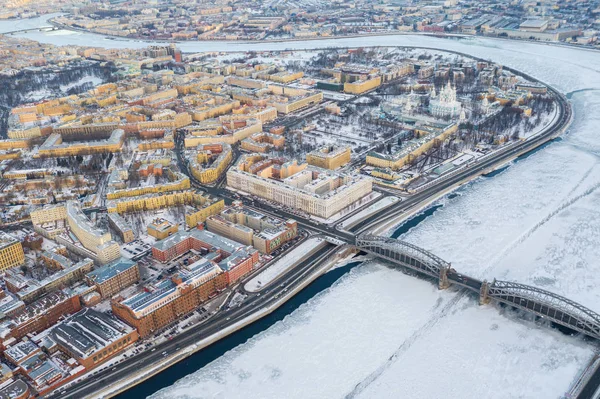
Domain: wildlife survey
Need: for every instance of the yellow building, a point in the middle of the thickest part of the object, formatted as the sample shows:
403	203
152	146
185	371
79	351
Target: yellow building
264	115
398	160
48	213
362	86
54	146
289	99
11	252
206	206
177	181
263	142
25	133
12	144
329	157
231	133
97	241
219	156
161	228
10	154
315	191
385	174
150	201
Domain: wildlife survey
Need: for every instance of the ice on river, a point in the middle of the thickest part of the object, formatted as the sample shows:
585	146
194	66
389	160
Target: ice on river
378	333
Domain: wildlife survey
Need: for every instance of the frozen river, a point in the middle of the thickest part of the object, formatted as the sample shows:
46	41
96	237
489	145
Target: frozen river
378	333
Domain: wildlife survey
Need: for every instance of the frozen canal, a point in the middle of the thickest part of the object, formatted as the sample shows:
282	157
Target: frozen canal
378	333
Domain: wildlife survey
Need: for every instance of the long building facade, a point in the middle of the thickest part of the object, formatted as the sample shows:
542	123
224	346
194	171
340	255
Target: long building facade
317	192
171	299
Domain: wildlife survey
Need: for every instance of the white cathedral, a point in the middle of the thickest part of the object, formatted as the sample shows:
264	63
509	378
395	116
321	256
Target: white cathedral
445	105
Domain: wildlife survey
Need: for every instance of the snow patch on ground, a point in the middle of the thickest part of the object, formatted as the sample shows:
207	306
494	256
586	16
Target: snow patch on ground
371	209
282	265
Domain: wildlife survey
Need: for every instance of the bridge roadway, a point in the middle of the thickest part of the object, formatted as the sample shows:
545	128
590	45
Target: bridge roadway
534	300
224	318
38	29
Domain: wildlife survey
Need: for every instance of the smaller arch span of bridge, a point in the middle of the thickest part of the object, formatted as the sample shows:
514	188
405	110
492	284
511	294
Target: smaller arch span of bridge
542	303
406	254
545	304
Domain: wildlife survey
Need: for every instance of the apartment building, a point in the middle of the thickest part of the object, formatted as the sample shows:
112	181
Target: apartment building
30	289
98	241
249	227
171	299
161	228
44	313
93	337
114	277
317	192
11	252
121	226
329	157
210	162
54	146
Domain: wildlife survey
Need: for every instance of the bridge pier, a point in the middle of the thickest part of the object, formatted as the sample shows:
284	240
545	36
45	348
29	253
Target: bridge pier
484	297
443	282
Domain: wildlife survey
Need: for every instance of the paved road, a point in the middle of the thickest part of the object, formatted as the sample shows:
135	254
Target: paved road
224	318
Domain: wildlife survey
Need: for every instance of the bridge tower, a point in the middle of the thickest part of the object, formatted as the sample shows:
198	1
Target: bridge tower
484	297
443	282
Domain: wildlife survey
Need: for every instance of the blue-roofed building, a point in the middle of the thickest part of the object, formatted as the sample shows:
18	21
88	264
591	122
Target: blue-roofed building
171	299
114	277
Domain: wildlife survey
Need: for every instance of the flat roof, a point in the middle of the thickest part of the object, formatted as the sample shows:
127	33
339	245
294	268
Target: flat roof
15	389
89	331
110	270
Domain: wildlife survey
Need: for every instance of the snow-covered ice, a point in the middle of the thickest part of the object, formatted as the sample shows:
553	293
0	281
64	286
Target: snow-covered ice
372	322
475	352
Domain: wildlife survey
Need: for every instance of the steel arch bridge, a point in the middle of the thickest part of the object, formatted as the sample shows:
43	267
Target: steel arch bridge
547	305
405	254
542	303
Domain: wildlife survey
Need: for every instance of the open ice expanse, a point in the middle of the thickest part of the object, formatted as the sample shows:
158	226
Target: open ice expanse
378	333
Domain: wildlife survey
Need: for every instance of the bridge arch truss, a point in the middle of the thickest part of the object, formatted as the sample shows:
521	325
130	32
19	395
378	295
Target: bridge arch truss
547	305
403	253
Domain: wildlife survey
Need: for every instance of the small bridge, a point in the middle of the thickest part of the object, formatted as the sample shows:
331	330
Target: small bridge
38	29
540	302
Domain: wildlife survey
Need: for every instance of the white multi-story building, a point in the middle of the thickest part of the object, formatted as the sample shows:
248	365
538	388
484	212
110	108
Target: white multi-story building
315	191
